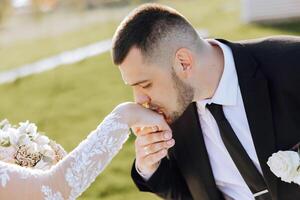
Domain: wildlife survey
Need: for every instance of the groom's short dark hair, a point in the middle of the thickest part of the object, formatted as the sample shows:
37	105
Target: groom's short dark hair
144	28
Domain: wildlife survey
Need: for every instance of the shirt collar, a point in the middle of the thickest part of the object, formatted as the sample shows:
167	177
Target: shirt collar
226	93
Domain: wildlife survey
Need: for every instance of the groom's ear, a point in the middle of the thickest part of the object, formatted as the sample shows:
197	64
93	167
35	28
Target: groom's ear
184	62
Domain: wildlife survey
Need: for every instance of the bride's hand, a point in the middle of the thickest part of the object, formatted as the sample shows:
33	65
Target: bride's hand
154	136
136	115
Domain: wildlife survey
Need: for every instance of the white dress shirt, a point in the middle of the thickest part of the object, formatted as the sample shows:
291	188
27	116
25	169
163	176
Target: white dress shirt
228	94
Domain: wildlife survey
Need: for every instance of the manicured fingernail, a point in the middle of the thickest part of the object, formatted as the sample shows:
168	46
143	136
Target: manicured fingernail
155	128
167	135
171	142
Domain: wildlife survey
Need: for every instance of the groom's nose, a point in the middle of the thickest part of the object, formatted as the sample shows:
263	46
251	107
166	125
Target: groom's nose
140	97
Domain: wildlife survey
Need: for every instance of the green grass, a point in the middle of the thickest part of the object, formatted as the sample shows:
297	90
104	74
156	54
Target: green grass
28	51
68	102
220	18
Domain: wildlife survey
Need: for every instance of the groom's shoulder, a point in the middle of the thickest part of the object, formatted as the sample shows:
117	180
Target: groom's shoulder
278	39
276	56
278	59
267	47
272	44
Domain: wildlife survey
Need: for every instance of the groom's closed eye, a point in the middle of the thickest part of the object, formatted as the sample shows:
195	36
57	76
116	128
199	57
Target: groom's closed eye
139	83
146	86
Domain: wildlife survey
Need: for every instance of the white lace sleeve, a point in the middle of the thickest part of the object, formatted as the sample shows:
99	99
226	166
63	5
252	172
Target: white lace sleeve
72	175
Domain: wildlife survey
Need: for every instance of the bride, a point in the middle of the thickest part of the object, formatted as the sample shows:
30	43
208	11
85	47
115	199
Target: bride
75	172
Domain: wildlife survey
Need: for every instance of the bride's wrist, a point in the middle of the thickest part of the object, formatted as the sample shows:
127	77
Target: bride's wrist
123	111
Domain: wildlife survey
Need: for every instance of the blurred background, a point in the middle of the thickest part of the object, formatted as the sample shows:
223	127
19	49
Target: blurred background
56	69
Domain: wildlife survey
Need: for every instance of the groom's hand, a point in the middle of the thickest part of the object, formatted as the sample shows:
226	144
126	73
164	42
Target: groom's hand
151	146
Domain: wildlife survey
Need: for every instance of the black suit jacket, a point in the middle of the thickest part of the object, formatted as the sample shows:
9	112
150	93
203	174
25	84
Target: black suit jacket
268	73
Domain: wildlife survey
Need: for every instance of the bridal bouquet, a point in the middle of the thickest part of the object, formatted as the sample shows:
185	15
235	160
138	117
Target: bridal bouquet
286	165
23	145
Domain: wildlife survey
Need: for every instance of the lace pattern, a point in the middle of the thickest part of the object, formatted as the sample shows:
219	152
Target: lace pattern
69	178
85	168
49	195
6	169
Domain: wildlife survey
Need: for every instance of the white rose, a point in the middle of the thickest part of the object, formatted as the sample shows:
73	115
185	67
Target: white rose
41	140
32	148
48	152
3	134
284	165
5	140
4	124
27	128
297	178
7	153
24	140
13	136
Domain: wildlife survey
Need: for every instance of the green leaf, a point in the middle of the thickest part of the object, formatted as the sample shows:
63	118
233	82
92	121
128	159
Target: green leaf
5	143
131	131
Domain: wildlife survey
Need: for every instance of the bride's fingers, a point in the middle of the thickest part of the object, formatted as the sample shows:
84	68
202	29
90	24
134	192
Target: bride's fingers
141	130
144	140
154	148
145	130
155	157
154	120
151	145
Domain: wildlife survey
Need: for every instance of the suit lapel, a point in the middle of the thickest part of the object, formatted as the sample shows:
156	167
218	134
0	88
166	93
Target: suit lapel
190	151
255	94
192	158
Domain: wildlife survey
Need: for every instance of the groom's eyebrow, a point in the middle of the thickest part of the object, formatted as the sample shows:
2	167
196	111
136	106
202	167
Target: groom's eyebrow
138	83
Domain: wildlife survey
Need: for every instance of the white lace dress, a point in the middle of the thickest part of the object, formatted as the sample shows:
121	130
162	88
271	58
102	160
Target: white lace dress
72	175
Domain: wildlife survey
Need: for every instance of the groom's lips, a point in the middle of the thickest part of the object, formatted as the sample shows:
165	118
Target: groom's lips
156	109
161	112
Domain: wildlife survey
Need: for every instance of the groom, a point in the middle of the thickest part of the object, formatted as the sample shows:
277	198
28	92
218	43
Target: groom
231	105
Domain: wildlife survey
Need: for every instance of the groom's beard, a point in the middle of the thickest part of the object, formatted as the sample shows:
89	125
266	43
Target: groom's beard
185	96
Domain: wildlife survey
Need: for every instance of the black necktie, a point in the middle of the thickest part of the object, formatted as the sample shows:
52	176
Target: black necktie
246	167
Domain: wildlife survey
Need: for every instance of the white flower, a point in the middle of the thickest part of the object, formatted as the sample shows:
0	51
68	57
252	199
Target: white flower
32	148
297	178
48	152
27	128
4	139
13	135
7	153
41	140
2	134
24	139
26	147
4	124
284	165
